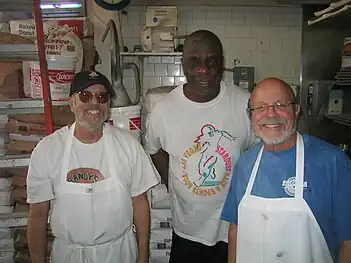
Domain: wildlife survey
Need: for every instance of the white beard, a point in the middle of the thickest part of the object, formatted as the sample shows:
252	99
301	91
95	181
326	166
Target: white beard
276	141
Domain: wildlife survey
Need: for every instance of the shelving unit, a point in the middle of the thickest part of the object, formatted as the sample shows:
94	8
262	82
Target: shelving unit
336	16
24	52
12	161
24	106
32	52
337	11
344	119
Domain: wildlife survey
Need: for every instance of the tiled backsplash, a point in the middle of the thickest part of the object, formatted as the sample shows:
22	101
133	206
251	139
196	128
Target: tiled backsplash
268	38
158	71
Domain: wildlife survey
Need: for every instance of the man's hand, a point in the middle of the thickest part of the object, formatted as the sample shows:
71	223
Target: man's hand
232	238
345	252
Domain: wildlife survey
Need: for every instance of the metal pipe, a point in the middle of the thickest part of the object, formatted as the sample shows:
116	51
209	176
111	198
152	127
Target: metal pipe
136	71
122	97
43	67
116	71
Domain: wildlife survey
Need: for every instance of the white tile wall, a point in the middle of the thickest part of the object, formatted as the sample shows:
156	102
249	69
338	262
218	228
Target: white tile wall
268	38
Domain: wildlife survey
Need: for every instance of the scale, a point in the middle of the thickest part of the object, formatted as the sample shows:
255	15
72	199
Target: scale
113	5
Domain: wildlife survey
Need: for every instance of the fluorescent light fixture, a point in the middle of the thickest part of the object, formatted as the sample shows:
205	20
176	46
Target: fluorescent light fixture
61	6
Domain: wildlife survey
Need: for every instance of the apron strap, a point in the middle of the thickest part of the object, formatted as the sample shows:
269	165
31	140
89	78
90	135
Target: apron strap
299	171
300	164
67	153
254	172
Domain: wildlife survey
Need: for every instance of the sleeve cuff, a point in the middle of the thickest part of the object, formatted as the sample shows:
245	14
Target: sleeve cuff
144	189
150	151
39	200
230	220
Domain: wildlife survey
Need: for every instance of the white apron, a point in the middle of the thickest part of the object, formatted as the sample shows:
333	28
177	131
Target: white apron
92	223
280	229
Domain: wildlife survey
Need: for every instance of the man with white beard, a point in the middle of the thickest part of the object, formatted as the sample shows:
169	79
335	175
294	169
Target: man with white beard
289	197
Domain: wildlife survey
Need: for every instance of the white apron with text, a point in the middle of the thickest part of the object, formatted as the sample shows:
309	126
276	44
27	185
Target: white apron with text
280	229
92	223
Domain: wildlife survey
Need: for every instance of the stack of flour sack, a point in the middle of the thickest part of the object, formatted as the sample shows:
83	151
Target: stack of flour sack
161	225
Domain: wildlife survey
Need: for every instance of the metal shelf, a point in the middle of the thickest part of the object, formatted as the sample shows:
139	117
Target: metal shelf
13	219
10	161
337	15
341	119
18	52
24	106
149	54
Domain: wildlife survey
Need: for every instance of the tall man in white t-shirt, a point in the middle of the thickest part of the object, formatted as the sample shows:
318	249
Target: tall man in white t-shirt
195	135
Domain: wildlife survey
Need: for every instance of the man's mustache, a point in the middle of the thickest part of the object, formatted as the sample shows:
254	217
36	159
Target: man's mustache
272	121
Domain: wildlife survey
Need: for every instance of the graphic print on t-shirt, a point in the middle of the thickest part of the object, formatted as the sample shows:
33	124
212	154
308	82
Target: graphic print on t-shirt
207	165
84	176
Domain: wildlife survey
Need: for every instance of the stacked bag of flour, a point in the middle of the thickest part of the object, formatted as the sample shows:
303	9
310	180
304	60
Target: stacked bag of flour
18	201
6	206
161	225
19	189
26	130
21	245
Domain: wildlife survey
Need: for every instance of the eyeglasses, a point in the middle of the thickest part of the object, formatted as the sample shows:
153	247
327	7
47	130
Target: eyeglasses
86	96
282	106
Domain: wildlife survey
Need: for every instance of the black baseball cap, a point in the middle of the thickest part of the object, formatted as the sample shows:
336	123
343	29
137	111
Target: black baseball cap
85	79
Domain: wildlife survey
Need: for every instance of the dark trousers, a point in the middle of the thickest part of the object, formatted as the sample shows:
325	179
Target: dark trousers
187	251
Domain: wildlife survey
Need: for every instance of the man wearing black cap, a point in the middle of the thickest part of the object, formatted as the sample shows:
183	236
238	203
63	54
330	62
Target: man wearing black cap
95	177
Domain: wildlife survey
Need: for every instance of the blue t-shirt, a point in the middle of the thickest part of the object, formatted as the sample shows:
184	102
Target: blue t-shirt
327	185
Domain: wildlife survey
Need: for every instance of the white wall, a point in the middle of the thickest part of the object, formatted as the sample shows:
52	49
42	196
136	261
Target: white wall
268	38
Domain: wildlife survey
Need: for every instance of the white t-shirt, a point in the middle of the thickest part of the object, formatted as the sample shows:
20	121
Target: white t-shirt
136	171
204	140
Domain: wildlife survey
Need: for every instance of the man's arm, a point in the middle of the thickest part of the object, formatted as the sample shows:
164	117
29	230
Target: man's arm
36	231
232	237
141	213
341	205
161	162
39	193
230	210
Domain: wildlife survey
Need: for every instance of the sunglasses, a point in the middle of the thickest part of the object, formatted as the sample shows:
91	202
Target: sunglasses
86	96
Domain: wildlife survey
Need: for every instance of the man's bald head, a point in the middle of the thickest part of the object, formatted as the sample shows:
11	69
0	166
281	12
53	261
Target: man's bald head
274	113
273	85
203	39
